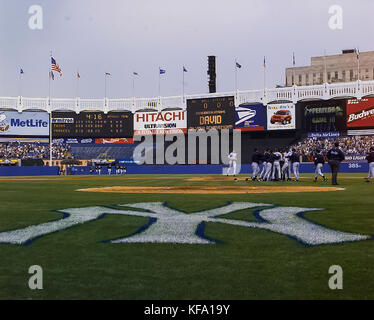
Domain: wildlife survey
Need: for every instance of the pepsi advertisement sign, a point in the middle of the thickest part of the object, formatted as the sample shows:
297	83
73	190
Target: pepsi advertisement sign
250	117
24	124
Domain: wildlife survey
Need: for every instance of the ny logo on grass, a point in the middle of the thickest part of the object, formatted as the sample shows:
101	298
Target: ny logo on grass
168	225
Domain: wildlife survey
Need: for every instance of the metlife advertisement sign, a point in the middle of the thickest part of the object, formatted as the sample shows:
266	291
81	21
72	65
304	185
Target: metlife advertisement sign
281	116
165	122
24	124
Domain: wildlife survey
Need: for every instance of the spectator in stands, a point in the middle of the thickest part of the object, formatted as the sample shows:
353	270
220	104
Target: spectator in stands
34	150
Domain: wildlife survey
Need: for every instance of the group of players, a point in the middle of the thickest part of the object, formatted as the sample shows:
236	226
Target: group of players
279	165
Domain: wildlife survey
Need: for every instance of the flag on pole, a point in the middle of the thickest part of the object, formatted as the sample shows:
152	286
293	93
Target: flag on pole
78	75
55	66
107	74
358	54
21	71
264	62
238	65
162	71
135	73
51	75
184	69
293	59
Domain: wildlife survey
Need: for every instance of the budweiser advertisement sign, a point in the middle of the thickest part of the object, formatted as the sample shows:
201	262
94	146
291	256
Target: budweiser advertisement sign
360	113
164	122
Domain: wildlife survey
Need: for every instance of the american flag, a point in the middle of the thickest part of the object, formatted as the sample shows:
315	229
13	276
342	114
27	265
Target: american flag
55	66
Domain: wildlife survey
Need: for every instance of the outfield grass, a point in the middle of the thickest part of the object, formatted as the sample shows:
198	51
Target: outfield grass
247	263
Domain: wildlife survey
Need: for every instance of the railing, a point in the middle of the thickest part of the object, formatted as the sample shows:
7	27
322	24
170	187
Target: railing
357	89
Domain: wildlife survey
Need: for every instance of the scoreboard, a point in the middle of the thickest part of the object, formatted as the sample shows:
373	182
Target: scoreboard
211	113
92	124
323	116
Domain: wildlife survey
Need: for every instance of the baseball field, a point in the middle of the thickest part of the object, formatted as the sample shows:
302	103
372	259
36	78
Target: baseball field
185	237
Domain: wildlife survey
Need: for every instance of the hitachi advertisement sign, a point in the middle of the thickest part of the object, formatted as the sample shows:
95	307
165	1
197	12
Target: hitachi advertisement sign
24	124
164	122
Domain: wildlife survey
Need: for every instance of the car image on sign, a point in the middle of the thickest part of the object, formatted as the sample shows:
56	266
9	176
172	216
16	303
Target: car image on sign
282	116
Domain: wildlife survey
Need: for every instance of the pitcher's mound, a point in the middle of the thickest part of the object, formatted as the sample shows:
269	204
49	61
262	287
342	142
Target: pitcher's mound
212	189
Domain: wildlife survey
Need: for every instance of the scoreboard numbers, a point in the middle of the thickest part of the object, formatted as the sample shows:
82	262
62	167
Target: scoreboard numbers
92	125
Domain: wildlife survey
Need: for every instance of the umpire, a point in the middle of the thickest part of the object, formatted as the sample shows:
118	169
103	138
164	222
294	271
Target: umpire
335	156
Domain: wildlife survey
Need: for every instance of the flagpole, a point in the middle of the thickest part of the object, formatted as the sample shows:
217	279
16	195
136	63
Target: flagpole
105	86
183	83
293	69
236	76
50	114
264	77
358	63
324	61
133	85
20	83
159	82
77	83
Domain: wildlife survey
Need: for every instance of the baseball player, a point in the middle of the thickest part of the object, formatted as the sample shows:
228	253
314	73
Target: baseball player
370	159
286	168
269	165
277	157
256	160
232	163
319	162
335	156
265	159
295	160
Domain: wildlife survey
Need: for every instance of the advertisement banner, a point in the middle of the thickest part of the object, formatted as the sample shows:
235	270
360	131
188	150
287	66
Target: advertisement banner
323	116
25	140
211	113
281	116
74	141
114	140
250	117
24	124
92	124
355	157
326	135
360	113
164	122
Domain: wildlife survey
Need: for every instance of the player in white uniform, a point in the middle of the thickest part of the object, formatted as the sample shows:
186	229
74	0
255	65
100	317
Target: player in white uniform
233	157
277	156
286	168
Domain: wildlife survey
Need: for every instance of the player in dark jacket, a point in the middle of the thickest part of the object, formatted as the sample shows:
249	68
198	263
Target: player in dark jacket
335	156
295	162
257	157
370	159
319	161
265	159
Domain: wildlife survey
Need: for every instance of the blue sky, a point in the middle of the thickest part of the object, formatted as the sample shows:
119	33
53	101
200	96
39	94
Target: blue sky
121	36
